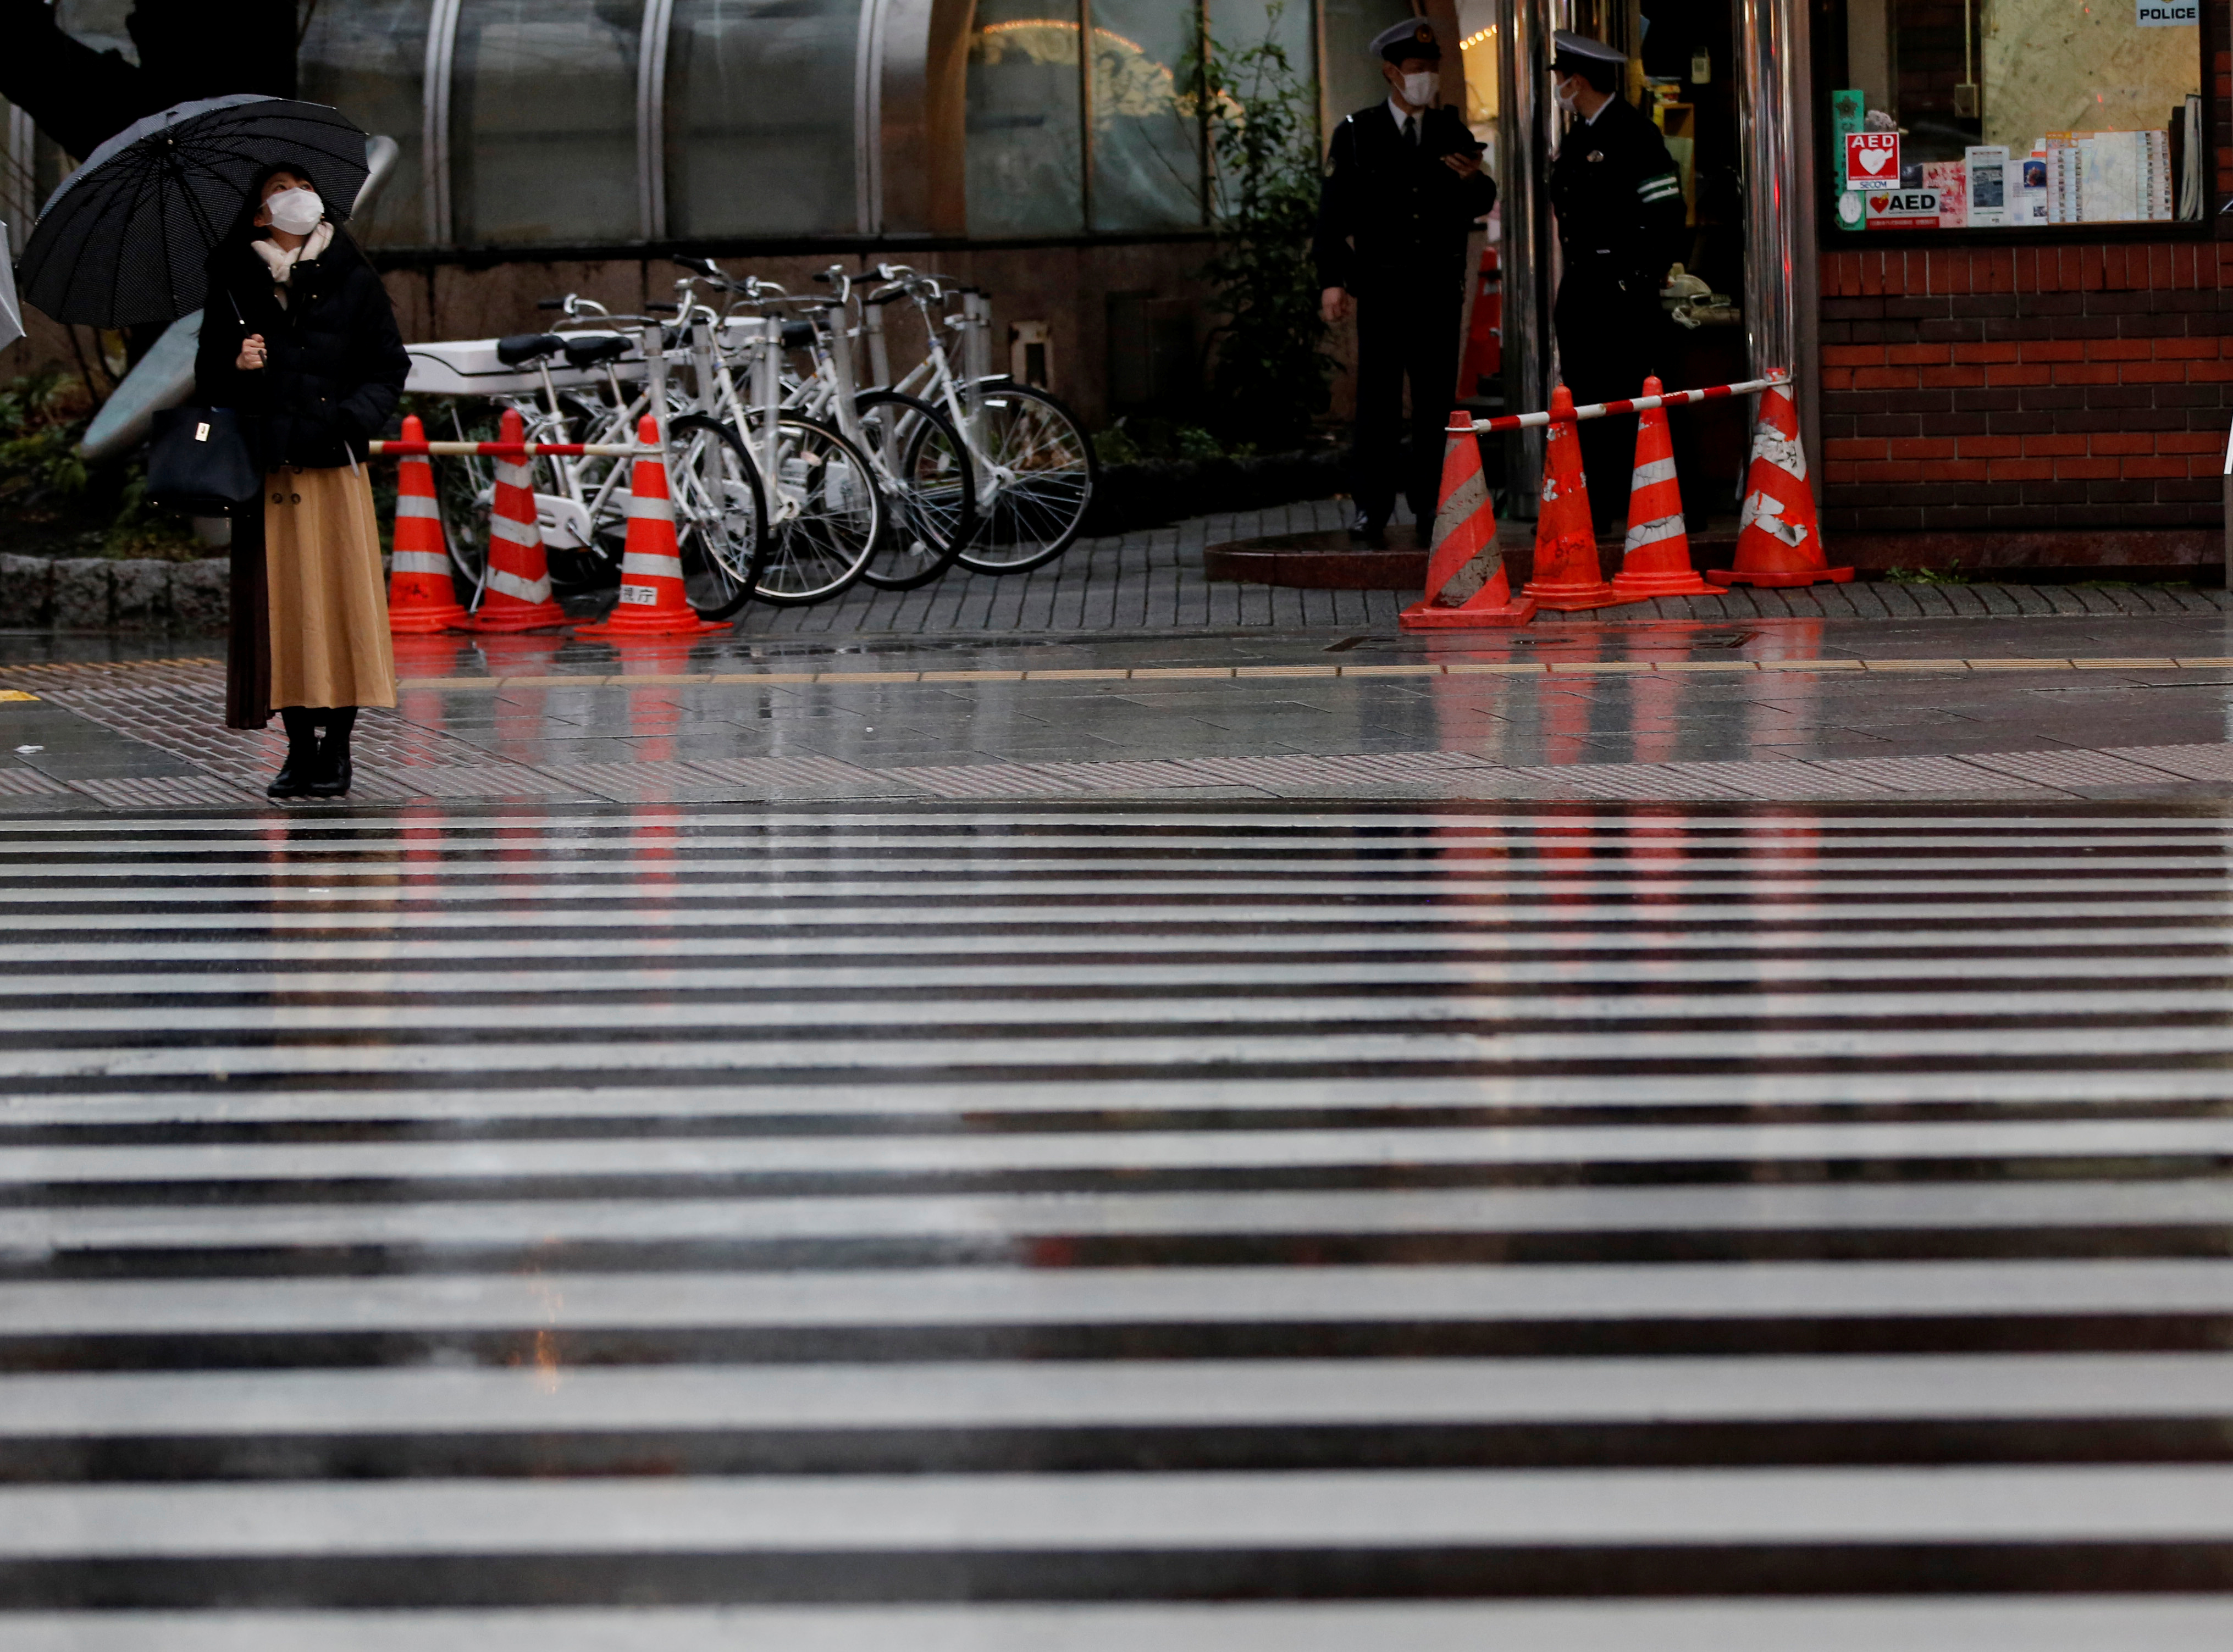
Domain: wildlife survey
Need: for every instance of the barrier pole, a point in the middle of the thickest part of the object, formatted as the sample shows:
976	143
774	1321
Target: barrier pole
508	450
1608	409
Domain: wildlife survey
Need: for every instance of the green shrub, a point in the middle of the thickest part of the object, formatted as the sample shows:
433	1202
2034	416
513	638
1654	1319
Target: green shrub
1270	372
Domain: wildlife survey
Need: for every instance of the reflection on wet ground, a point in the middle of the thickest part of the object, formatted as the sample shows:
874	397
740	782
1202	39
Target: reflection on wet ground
1229	1226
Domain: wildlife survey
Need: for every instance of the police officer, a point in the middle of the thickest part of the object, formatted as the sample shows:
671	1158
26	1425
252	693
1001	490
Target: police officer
1404	184
1619	204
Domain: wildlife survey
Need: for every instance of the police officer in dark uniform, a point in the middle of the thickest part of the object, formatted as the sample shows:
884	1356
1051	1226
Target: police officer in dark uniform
1619	204
1404	184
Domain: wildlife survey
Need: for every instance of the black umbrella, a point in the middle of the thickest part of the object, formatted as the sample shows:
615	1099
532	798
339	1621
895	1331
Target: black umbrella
123	240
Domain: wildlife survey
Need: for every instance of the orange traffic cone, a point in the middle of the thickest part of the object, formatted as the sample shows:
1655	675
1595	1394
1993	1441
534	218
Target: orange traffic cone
1779	542
420	601
516	597
1466	582
1567	573
1656	559
652	601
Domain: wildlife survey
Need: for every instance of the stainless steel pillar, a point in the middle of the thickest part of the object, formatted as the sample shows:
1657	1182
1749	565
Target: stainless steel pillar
1524	141
1776	135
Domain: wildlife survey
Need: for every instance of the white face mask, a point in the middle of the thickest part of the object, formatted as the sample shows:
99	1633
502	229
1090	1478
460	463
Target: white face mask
1419	90
1566	95
296	210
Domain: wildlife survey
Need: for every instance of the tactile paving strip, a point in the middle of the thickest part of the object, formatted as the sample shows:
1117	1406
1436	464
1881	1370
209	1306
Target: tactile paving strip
169	792
492	779
791	774
29	782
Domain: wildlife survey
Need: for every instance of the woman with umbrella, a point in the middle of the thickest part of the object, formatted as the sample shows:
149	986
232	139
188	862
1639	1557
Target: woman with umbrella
298	340
302	339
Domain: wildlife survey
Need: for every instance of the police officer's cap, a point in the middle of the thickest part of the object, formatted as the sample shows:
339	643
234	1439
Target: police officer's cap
1414	38
1573	54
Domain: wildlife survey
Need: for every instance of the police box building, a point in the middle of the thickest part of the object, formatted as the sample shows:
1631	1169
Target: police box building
1982	234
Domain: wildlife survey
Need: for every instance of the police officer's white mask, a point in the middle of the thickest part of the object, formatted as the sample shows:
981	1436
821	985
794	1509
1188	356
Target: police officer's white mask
1419	90
1565	93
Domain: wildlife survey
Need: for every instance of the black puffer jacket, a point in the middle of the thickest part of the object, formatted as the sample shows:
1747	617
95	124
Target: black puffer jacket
334	358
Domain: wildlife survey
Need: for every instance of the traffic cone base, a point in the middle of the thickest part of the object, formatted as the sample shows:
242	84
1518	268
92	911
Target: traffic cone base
652	601
1492	606
1725	576
1655	561
1779	541
1467	586
1567	578
420	600
516	596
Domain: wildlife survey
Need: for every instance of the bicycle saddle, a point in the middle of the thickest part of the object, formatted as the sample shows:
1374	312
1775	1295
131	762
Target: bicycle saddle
522	348
797	336
588	352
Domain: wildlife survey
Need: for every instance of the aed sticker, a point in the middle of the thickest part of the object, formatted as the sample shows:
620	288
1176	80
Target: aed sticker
643	595
1850	209
1905	209
2167	14
1872	160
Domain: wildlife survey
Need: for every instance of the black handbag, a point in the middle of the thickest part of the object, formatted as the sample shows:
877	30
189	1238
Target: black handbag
199	462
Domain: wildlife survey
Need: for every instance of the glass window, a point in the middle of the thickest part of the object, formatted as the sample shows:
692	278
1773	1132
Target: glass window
760	117
2018	114
542	121
368	60
1022	153
1352	72
1147	138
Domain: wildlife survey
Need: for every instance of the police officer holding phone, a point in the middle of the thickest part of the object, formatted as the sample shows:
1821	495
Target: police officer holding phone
1404	184
1619	204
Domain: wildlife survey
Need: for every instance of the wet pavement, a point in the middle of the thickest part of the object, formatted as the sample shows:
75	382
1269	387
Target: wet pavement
1695	1135
2095	706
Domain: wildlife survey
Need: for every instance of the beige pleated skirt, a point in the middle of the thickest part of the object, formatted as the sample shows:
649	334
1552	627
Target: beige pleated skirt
327	600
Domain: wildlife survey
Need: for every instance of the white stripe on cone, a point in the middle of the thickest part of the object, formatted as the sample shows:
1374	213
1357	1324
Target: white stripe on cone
502	579
517	533
1650	533
416	504
654	507
420	561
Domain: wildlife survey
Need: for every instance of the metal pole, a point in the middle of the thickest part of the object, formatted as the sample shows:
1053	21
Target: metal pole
1524	255
1769	102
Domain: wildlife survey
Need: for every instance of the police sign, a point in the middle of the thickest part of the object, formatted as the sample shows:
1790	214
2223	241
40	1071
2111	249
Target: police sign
2167	14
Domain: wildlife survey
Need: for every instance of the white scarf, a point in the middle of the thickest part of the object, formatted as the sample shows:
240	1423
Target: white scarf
282	262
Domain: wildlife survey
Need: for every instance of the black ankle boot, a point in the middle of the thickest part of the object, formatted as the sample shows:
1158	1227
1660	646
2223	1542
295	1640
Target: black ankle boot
293	779
333	774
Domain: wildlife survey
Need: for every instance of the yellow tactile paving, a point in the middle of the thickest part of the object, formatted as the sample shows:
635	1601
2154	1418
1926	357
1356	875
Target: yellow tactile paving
1195	673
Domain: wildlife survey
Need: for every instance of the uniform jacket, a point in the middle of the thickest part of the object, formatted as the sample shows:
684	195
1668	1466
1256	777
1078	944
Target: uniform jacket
1618	200
1392	217
334	358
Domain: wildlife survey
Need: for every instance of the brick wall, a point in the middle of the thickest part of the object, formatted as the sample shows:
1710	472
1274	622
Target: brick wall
2041	390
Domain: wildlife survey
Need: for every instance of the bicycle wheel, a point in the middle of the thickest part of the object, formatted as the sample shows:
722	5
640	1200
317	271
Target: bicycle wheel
932	500
720	508
465	494
827	515
1035	477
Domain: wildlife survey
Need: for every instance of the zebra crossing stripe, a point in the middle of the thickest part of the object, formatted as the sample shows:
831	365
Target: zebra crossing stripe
991	1230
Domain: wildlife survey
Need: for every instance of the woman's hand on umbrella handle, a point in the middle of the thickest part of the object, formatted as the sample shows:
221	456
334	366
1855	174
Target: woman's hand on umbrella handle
251	353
